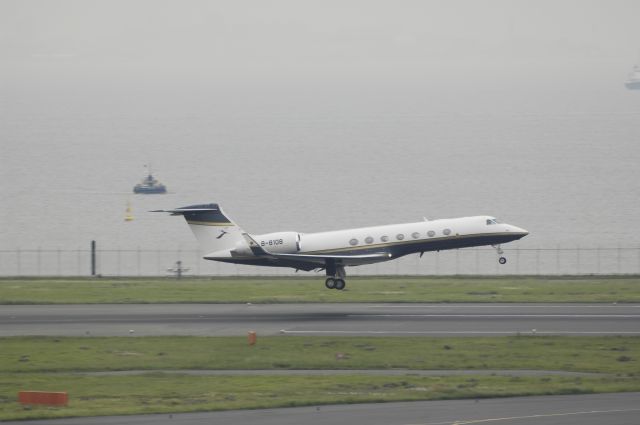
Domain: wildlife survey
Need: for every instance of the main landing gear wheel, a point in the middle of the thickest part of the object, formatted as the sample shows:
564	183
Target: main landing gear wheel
502	260
335	275
330	283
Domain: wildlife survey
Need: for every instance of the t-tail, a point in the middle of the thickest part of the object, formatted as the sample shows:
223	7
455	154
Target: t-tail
217	235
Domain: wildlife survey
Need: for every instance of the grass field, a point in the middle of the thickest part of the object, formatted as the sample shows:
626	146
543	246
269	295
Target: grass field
311	289
158	393
67	364
53	364
58	354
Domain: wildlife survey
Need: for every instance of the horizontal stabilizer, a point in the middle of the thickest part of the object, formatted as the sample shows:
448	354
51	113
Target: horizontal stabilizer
202	215
192	209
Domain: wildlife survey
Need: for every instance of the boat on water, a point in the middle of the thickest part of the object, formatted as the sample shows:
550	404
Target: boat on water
149	185
633	82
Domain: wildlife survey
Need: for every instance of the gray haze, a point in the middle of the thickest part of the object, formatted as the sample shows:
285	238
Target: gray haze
216	43
318	115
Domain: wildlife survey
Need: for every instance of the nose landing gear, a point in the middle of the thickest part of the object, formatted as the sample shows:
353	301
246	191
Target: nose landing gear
501	260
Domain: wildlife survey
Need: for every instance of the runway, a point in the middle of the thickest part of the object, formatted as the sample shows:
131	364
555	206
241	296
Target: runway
596	409
354	319
321	319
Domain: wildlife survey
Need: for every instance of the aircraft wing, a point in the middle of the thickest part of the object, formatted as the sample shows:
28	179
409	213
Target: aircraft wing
347	260
320	259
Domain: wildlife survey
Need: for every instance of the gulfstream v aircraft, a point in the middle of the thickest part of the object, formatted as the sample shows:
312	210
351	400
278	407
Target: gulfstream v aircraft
222	240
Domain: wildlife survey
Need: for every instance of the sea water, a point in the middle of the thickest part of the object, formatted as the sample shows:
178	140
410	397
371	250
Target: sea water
558	159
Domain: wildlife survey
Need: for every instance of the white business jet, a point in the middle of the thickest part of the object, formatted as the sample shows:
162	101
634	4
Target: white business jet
222	240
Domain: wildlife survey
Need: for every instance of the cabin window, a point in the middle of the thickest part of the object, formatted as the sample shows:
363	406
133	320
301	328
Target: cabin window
415	235
399	236
384	238
368	239
446	232
353	242
431	233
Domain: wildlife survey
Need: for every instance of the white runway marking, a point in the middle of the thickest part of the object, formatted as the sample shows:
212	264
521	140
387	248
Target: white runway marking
549	415
506	305
395	332
555	316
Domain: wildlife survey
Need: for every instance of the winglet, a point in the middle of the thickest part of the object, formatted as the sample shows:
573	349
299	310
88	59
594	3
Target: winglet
254	246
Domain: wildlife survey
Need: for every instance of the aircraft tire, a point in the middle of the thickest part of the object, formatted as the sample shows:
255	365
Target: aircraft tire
330	283
502	260
340	284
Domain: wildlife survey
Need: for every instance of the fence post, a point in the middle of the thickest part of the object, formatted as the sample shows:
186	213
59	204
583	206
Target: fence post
58	262
19	262
598	260
93	258
138	259
517	260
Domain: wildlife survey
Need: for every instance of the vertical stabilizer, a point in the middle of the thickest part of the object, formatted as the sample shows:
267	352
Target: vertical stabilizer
213	229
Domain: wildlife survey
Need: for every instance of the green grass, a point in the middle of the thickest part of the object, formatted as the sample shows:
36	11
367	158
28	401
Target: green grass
311	289
163	393
49	363
53	364
610	354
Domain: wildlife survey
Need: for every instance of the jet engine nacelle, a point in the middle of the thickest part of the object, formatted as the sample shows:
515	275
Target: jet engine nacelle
280	242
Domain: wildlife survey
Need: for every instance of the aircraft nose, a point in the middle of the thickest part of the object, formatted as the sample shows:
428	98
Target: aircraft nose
520	231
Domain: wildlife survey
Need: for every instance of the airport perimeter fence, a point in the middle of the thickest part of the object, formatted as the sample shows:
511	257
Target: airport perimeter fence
467	261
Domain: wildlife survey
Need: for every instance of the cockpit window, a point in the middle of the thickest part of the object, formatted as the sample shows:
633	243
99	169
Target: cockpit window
491	221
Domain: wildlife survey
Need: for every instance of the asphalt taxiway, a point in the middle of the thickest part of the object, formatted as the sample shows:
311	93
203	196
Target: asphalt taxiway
594	409
321	319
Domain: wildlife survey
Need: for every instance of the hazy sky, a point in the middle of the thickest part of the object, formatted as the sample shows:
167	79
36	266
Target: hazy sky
518	108
295	40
